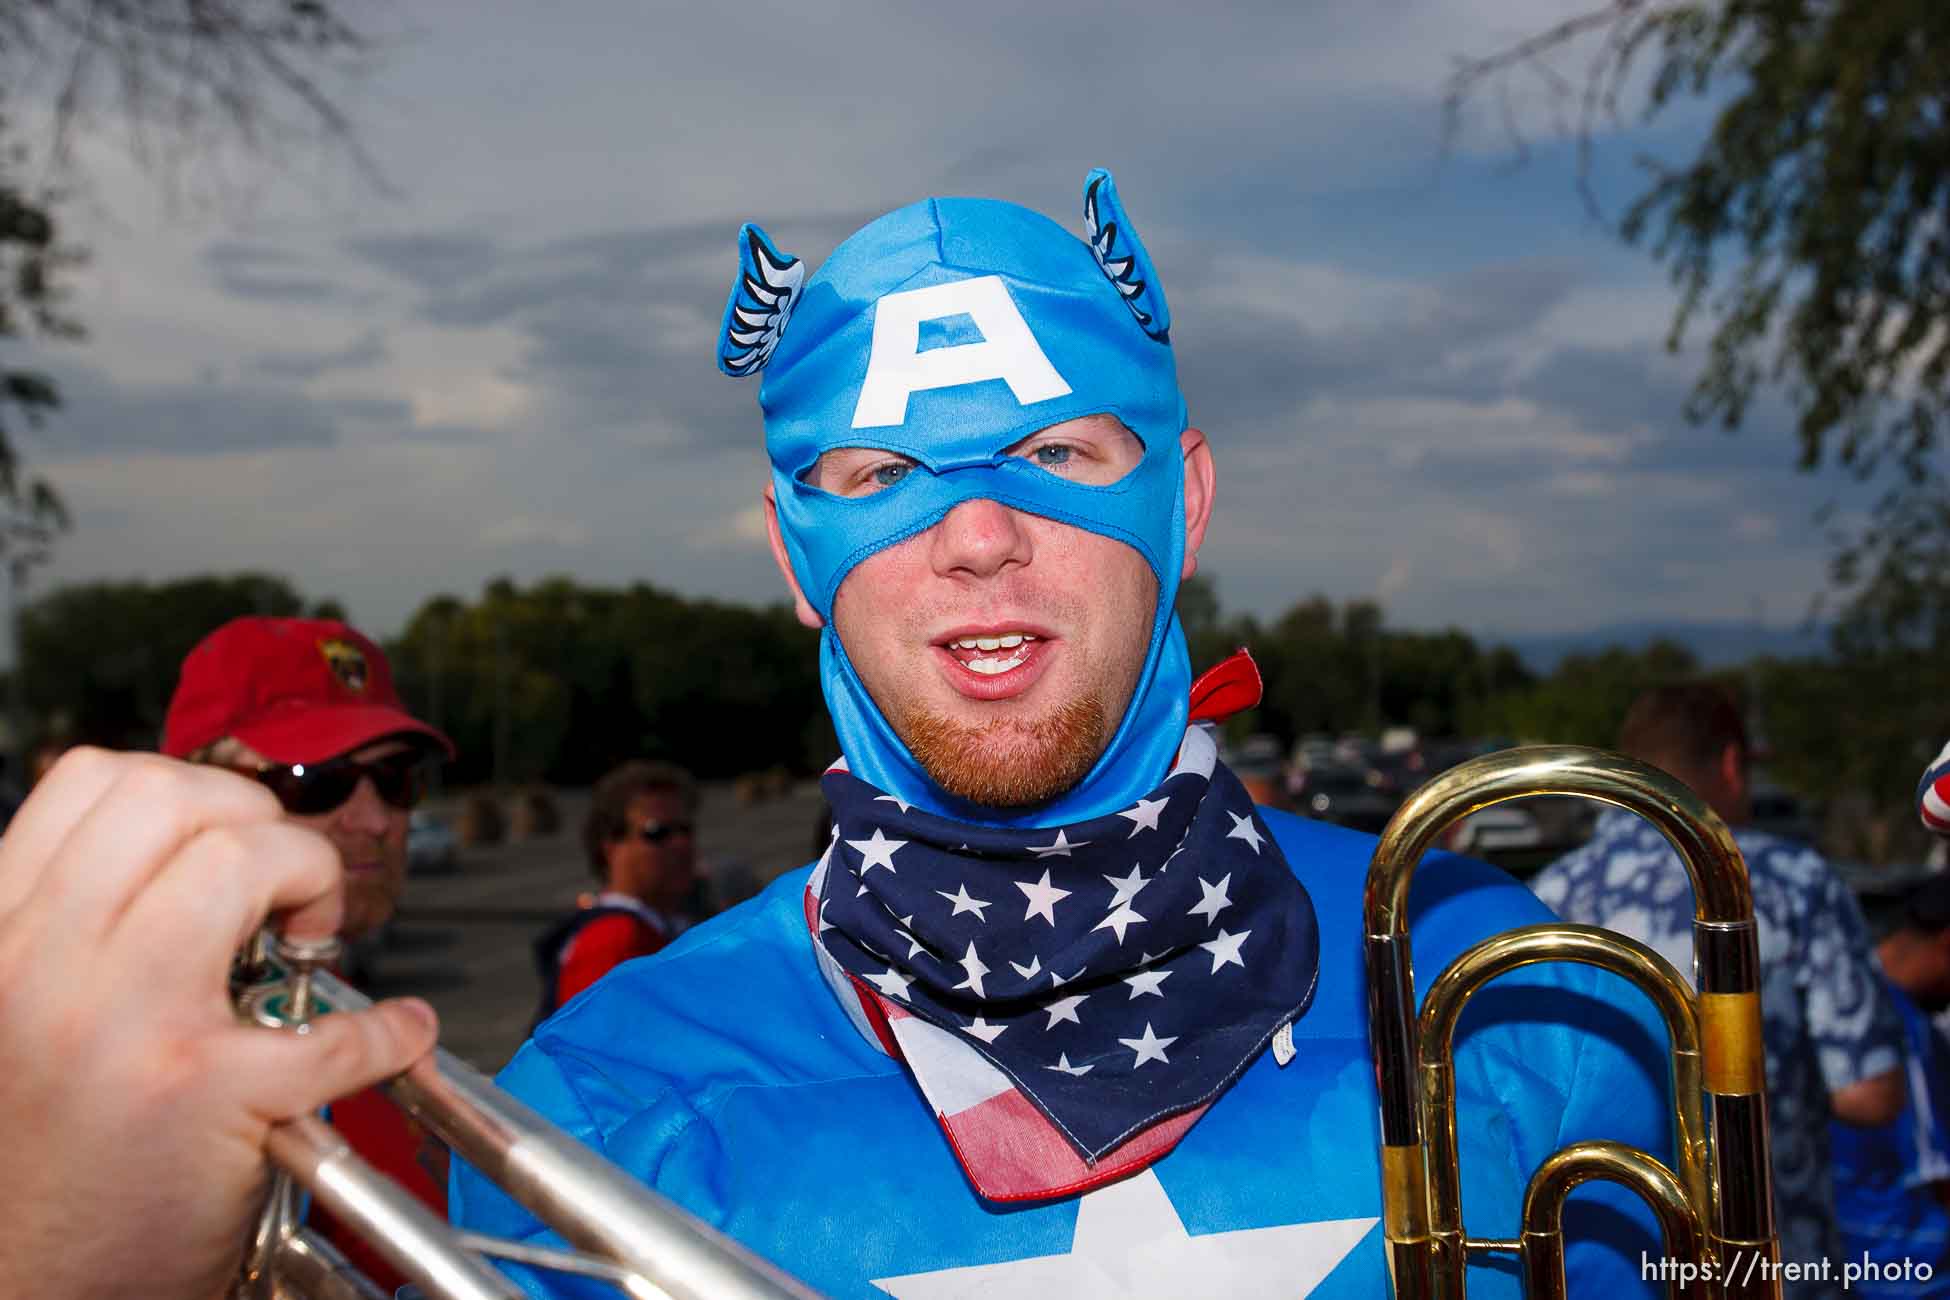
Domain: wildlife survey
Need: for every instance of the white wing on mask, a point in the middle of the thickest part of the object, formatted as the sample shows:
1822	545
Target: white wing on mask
1119	252
761	302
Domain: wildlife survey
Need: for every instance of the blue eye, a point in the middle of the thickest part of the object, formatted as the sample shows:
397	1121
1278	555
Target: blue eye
1052	455
889	474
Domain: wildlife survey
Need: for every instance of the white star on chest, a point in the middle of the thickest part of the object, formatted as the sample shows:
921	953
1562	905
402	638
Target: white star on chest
1130	1244
1058	848
1043	898
876	851
963	903
888	798
1144	815
1243	829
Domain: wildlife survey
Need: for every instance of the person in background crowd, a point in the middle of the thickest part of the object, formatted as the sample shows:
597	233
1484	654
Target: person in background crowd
307	708
1892	1181
640	838
1834	1042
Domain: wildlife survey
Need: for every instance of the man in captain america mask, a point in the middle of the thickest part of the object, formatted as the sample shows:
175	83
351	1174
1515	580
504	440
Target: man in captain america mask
1058	1011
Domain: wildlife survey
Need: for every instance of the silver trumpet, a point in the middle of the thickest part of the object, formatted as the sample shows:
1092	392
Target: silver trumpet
619	1230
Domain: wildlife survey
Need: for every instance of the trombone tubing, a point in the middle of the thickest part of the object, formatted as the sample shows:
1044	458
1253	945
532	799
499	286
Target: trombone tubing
1727	971
592	1203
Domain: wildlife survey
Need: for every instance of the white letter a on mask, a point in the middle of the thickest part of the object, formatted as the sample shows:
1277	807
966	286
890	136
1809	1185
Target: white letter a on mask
898	368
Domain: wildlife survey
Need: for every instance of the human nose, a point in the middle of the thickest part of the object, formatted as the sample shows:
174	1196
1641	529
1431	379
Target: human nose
365	812
980	538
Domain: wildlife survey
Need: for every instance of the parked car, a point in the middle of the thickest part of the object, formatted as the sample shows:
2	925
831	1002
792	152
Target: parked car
1343	795
1497	830
1259	765
431	844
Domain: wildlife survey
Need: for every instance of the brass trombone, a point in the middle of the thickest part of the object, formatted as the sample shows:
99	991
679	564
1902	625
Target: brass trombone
645	1245
1717	1210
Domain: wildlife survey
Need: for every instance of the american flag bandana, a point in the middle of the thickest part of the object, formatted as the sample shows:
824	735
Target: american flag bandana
1069	999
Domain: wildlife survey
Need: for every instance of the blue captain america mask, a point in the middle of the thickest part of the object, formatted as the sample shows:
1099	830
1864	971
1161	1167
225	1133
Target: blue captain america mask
947	332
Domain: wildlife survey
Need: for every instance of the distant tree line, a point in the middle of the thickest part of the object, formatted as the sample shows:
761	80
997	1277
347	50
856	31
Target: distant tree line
557	680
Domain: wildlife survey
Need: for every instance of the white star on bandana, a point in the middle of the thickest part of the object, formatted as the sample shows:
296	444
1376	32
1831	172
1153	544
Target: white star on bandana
1144	815
876	851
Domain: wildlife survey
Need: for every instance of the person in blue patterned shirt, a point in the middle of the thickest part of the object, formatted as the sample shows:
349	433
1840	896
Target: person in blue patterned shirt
1834	1043
1892	1182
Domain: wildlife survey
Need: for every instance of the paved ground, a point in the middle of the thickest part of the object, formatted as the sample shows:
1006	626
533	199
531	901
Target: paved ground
462	939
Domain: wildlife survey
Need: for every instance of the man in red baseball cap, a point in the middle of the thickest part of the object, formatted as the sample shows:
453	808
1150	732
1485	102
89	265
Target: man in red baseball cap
307	707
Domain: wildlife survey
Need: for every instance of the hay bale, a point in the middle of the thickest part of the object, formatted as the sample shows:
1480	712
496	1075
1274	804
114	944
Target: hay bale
481	821
534	813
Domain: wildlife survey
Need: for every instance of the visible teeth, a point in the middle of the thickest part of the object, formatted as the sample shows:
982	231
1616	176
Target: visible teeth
1008	641
990	667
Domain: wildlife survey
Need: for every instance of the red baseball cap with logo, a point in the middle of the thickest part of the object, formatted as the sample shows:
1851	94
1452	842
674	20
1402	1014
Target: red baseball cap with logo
295	690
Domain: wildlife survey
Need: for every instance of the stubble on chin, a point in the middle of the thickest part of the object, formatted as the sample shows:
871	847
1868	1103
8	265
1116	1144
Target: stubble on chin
370	901
1009	763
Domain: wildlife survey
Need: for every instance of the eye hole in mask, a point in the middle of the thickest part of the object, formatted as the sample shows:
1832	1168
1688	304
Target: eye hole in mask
1095	451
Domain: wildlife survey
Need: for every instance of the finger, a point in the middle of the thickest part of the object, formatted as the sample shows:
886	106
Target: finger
153	808
282	1073
217	891
62	798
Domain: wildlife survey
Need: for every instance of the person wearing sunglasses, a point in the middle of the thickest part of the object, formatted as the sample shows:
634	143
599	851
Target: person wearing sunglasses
641	840
307	709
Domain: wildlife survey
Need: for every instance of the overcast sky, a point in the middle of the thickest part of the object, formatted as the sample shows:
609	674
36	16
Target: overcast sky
1431	379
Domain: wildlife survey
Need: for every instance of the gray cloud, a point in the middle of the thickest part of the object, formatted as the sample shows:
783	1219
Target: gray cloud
369	349
265	273
432	260
202	418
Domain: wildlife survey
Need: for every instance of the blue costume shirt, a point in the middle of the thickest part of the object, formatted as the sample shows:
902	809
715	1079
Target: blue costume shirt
725	1073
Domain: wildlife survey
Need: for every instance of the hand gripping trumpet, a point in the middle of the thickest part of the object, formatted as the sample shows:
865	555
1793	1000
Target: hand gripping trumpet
621	1231
1718	1207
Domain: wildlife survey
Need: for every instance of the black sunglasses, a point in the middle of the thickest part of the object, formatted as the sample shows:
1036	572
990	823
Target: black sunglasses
656	832
308	789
